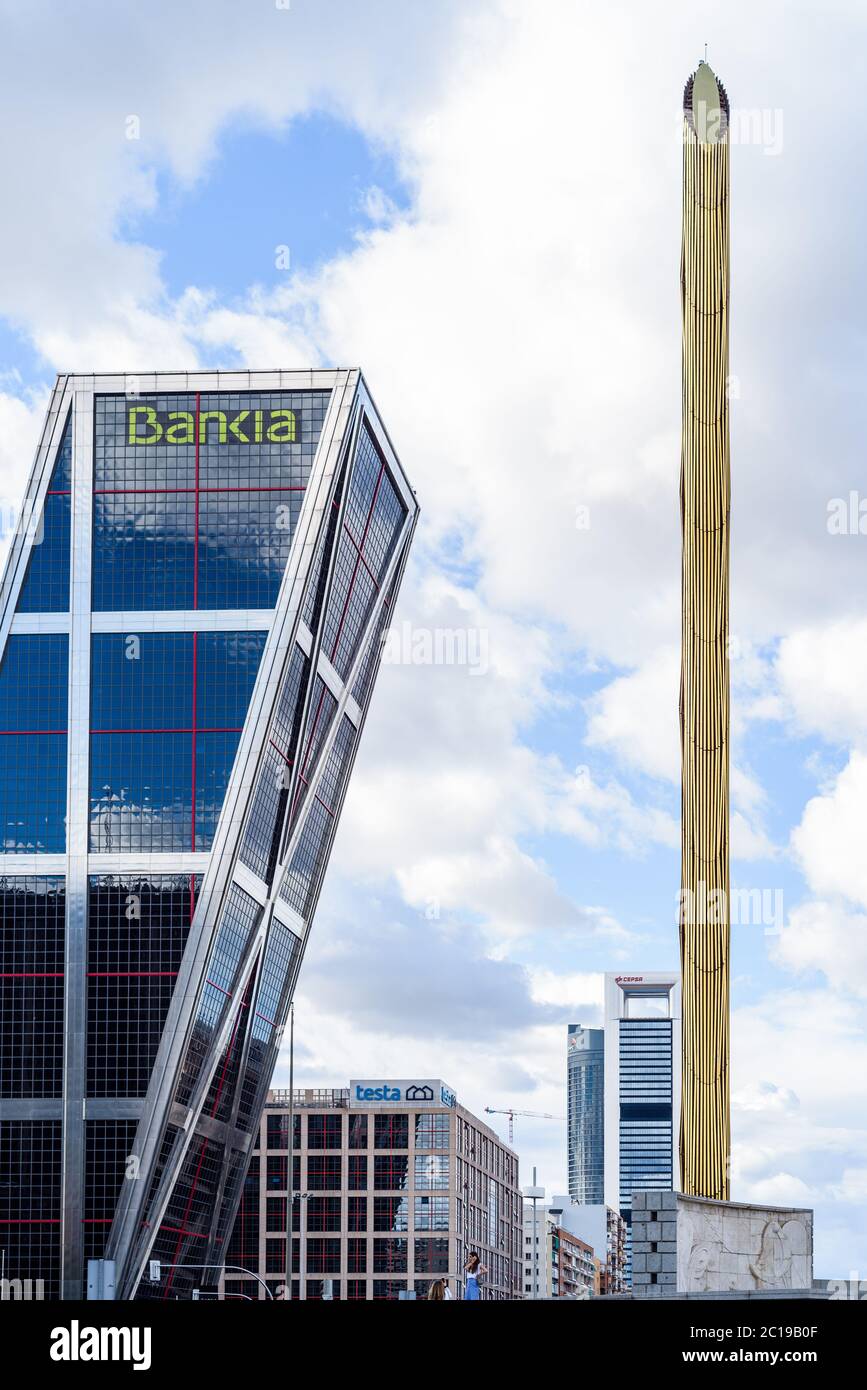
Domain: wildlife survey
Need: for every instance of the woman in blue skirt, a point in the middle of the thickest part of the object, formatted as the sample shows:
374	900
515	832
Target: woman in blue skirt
474	1270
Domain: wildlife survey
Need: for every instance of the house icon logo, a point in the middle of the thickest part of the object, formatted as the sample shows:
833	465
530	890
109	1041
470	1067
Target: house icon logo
419	1093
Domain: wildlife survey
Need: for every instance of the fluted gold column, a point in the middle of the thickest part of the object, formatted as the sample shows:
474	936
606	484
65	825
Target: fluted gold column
704	686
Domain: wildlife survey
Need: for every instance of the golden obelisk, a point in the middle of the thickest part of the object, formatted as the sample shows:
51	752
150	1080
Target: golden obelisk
704	683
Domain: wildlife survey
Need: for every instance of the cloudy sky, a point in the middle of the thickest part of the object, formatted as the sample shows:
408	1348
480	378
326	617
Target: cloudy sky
480	199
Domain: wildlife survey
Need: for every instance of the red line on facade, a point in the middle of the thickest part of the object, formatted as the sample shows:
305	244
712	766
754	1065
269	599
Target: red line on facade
193	730
219	987
174	491
30	732
373	579
196	539
183	1227
195	1178
357	561
31	975
306	755
230	1049
30	1221
278	749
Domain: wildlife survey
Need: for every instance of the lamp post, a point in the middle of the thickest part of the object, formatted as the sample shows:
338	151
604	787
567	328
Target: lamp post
301	1197
290	1178
532	1194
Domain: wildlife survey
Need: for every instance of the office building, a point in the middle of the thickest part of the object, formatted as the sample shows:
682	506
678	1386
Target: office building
585	1113
393	1182
557	1262
190	624
642	1087
704	689
604	1230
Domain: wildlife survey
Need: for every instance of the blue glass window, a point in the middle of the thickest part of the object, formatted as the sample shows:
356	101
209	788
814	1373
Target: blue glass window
33	719
374	517
262	837
301	884
142	681
239	922
227	665
46	584
197	496
167	713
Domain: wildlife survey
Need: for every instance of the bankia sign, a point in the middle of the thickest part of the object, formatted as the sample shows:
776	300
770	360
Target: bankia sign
145	424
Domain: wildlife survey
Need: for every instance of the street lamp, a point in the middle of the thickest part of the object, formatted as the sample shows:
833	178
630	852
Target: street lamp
533	1194
157	1267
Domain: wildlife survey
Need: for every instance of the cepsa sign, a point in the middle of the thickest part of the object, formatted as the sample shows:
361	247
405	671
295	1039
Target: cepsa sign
145	425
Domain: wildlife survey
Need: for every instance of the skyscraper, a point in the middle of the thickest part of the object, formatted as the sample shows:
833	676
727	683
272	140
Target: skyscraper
642	1087
585	1115
704	689
189	633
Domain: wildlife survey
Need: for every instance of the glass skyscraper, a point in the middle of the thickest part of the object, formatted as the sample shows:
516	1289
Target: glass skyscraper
191	618
585	1091
642	1088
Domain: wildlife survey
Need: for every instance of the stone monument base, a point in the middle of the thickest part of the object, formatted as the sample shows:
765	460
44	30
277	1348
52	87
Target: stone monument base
693	1245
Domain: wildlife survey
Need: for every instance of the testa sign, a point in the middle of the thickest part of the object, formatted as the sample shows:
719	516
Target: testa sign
401	1093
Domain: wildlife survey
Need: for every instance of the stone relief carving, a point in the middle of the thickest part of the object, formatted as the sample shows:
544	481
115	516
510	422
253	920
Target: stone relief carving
744	1249
780	1244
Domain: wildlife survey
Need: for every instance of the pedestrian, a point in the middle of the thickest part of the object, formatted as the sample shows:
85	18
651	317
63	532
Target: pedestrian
474	1271
436	1292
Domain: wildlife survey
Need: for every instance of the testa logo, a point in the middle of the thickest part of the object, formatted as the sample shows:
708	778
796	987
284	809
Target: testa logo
419	1093
377	1093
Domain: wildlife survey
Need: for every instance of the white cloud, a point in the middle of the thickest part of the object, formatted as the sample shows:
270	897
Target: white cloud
799	1081
826	937
822	673
829	840
637	716
20	421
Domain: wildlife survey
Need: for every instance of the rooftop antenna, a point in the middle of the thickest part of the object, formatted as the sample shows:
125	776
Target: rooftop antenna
705	53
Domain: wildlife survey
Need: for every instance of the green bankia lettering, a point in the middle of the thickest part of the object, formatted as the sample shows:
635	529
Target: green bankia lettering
145	425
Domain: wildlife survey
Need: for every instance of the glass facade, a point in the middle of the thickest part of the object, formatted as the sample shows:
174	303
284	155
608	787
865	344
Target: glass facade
137	931
196	497
585	1088
142	653
46	583
167	712
646	1112
32	940
34	686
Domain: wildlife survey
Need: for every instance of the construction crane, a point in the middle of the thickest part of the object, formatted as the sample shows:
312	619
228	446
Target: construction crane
529	1114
